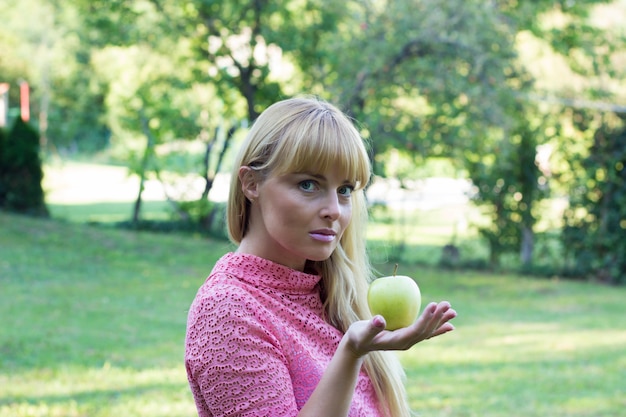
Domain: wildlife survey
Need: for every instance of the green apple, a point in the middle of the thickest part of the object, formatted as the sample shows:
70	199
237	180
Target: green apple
397	298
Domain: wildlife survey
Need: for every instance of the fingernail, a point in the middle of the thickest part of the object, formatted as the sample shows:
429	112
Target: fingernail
378	321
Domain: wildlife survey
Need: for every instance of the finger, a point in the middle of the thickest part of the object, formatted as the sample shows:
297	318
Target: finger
432	322
443	313
444	328
443	325
378	322
442	307
430	308
431	314
366	331
433	317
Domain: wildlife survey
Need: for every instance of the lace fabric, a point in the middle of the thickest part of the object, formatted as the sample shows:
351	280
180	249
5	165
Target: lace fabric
257	343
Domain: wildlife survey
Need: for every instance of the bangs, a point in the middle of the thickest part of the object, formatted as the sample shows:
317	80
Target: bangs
321	143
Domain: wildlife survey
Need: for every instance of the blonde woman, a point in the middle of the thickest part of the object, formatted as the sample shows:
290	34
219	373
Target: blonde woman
281	326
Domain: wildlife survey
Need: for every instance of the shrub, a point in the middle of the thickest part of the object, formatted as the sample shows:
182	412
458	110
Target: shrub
595	225
20	171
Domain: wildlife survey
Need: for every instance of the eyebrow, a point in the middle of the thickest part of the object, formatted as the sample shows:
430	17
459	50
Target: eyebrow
323	177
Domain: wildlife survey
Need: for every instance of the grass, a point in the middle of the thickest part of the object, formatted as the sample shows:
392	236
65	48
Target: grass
93	319
93	322
523	347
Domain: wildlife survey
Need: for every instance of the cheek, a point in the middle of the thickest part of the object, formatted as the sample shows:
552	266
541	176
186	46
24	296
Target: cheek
288	211
346	216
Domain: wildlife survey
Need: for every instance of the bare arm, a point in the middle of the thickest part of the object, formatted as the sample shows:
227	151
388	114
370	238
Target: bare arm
333	395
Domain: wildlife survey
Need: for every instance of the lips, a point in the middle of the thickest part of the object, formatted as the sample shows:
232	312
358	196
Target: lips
323	235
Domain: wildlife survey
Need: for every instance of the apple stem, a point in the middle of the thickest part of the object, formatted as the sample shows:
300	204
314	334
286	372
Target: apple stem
395	269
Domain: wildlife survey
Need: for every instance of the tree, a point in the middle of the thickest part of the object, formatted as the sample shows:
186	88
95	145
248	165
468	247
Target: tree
20	171
426	79
595	229
53	58
149	101
251	46
433	79
589	42
509	187
228	46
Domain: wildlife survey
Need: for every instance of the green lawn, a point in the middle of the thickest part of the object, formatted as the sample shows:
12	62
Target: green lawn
93	323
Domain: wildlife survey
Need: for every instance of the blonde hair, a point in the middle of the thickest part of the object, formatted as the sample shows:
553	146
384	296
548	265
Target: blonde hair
307	134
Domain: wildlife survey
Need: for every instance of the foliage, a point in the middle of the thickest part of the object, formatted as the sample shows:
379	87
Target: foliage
21	171
201	218
508	188
595	225
455	80
421	78
427	82
230	40
3	145
51	55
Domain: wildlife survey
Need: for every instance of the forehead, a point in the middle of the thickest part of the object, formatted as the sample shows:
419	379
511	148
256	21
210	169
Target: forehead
317	145
333	174
327	165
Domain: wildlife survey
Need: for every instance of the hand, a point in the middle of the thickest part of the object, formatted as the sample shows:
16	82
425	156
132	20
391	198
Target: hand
369	335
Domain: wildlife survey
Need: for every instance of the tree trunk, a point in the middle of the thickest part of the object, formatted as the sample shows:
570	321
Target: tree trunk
143	167
207	220
138	200
526	253
208	180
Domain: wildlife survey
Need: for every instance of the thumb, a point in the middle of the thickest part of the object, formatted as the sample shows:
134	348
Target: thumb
378	322
361	334
375	326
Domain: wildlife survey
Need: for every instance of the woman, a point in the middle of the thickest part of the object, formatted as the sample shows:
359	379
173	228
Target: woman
281	327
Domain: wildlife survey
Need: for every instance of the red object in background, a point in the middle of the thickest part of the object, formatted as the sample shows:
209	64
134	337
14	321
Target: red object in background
4	103
24	101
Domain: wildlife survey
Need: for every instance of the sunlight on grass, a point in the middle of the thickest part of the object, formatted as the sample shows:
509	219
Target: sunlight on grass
522	347
84	192
437	227
69	182
105	391
110	212
93	320
493	372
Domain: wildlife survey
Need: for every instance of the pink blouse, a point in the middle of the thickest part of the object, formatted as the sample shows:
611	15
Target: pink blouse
257	343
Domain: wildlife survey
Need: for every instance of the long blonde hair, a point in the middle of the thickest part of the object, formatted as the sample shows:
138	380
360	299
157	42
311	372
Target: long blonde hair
308	134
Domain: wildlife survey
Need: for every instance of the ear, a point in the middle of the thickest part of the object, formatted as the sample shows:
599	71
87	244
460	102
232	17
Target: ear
249	182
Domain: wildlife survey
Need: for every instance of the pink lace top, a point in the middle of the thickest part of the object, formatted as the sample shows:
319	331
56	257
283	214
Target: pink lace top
257	343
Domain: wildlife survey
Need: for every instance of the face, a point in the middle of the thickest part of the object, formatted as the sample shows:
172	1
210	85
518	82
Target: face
297	216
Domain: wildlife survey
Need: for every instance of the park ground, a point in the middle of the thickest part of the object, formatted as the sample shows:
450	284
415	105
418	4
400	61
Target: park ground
93	323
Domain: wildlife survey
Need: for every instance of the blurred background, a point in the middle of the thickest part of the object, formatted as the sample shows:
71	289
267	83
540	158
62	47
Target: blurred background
497	132
513	107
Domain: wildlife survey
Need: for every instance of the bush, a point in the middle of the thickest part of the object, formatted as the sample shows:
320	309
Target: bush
202	217
595	226
20	171
3	189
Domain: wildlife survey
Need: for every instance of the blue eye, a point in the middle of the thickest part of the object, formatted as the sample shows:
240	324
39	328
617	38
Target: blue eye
346	190
307	185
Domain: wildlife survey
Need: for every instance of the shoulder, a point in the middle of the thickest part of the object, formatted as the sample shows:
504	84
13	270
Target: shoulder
223	294
226	314
225	310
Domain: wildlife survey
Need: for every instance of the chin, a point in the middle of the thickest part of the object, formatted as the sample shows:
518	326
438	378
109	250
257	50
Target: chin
320	257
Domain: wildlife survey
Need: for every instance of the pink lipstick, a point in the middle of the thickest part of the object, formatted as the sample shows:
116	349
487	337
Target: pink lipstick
323	235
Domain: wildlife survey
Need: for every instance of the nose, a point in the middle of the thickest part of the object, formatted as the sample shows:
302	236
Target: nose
331	208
